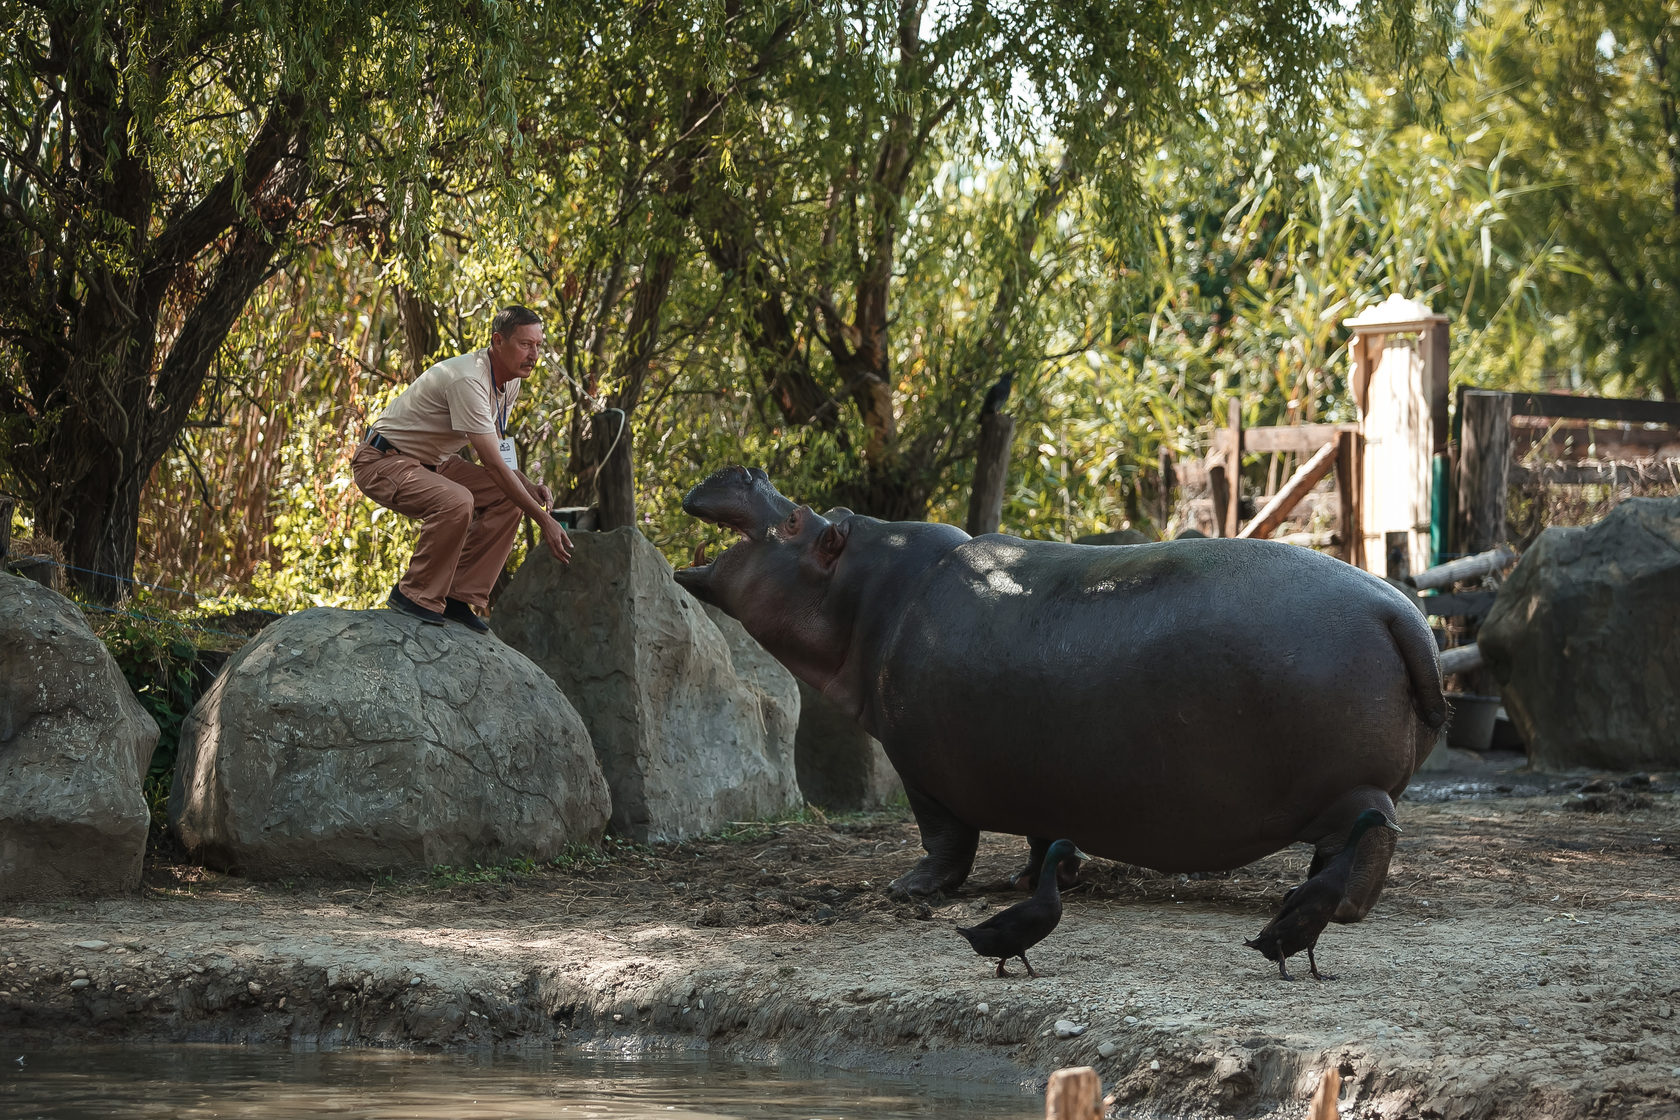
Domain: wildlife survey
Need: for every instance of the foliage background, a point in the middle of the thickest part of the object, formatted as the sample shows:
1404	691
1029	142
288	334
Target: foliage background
692	196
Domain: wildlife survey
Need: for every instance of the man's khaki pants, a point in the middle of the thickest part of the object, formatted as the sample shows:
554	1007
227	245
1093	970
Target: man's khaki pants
467	524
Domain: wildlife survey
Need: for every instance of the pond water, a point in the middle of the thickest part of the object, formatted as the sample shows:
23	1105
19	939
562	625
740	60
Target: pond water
204	1082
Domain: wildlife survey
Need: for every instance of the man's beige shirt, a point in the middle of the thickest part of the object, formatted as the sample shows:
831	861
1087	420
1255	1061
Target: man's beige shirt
433	417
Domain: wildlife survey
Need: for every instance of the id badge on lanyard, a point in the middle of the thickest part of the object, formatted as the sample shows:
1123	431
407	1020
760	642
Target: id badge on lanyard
510	453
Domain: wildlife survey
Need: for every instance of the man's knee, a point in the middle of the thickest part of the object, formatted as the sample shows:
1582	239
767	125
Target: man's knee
454	508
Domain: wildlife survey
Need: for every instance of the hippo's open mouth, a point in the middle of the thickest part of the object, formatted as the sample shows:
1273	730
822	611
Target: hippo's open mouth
738	498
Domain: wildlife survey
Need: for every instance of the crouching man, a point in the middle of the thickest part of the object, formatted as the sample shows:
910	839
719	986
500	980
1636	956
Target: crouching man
469	513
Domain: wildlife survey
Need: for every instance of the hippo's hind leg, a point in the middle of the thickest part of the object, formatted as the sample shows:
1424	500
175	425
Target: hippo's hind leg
1370	865
950	845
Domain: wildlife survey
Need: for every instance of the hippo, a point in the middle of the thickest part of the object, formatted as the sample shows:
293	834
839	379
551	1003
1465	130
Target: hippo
1187	705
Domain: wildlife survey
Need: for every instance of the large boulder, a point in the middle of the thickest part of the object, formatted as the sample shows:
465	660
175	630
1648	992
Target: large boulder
1584	640
842	767
344	743
777	691
74	749
684	740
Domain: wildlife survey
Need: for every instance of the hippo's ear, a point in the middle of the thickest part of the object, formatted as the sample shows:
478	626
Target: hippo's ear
831	542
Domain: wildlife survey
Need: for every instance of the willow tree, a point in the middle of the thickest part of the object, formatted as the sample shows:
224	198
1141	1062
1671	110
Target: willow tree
1580	100
825	219
157	163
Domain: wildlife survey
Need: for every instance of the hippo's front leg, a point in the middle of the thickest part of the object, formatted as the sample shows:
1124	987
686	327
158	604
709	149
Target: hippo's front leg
950	845
1067	874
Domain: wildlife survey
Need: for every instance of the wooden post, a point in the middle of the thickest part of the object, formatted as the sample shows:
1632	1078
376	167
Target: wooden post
991	473
1233	470
1469	567
1074	1094
1324	1106
1219	489
615	484
1290	495
1484	460
1169	483
1349	455
6	503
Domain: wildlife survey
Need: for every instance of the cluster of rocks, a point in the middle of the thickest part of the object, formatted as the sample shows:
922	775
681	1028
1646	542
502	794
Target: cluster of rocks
340	743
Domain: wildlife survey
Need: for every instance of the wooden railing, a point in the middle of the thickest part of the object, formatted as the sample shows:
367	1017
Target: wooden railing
1487	422
1325	447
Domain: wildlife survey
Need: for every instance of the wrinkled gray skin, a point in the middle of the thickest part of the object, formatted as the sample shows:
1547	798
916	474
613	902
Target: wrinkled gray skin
1190	705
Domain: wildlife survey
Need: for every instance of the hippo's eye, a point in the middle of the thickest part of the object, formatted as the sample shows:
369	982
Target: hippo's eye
790	527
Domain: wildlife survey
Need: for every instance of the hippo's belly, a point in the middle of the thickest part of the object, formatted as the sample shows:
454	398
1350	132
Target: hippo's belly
1168	716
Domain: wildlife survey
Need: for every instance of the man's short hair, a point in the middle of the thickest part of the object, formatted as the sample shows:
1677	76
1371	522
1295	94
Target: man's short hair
511	318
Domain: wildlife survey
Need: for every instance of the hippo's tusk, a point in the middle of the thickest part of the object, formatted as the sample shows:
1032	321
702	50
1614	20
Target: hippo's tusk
700	555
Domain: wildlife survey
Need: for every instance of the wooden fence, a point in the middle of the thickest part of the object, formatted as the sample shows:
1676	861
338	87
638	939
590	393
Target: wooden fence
1575	451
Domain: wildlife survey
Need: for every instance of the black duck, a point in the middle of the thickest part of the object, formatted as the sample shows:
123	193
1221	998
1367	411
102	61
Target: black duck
1309	907
1015	930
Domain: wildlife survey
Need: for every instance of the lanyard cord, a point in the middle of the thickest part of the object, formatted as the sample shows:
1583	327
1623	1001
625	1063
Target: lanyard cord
501	398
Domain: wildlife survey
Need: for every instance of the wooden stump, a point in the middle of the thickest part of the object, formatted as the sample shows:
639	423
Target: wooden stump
1074	1094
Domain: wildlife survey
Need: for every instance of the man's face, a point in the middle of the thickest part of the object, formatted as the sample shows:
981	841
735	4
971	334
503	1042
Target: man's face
516	355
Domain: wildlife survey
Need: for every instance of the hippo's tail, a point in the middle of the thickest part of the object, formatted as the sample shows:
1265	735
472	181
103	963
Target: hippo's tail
1423	665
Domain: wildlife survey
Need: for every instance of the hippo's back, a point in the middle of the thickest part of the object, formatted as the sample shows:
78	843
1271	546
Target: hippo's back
1135	690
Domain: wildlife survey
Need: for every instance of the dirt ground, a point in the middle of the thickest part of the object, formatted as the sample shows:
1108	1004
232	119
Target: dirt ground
1524	961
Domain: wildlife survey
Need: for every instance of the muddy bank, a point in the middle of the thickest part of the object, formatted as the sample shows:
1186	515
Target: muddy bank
1521	963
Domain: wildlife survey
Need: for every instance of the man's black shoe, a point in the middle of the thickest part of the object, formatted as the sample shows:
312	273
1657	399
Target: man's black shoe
397	601
457	611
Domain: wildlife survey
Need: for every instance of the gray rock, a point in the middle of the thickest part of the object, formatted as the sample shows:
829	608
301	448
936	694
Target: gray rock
687	744
842	767
350	742
1584	640
780	699
74	748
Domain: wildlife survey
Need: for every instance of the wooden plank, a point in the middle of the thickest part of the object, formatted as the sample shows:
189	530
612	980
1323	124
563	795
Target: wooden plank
1290	495
1577	441
1233	469
1484	461
1595	408
1457	604
1301	439
1074	1094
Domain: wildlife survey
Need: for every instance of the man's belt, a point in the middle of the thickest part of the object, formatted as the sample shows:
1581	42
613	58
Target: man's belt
382	445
